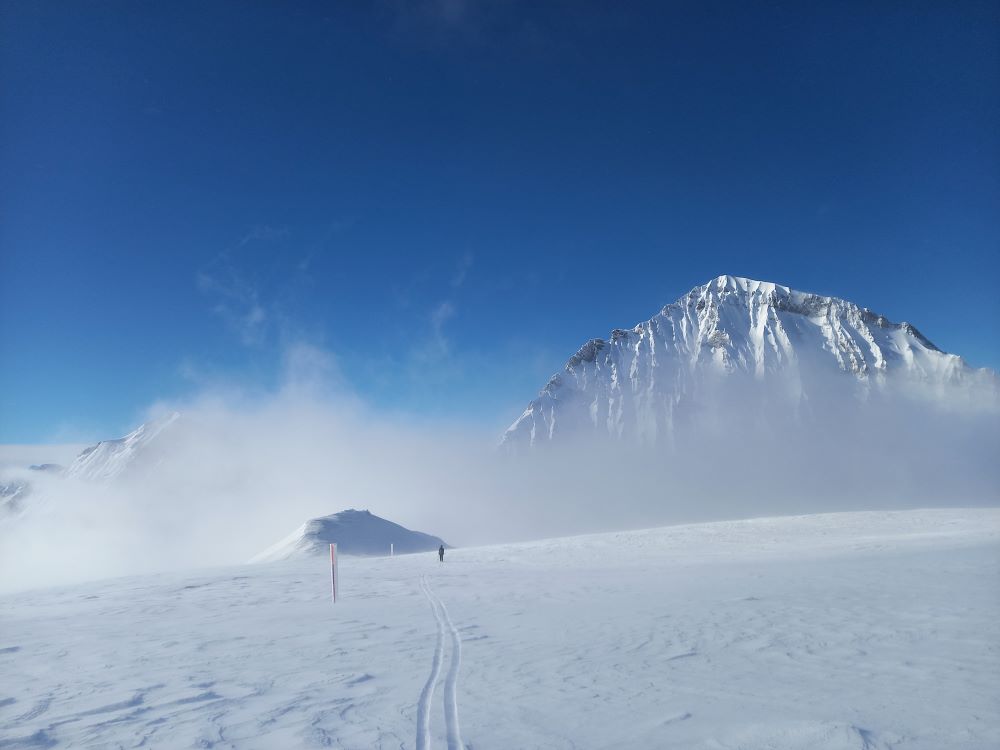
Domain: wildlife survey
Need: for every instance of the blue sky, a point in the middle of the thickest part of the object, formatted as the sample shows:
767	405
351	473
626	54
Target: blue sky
450	197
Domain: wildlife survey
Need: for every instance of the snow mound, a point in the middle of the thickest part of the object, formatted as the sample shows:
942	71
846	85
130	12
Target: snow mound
355	532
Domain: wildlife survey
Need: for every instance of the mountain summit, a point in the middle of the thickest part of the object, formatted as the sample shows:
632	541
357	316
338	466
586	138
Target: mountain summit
642	383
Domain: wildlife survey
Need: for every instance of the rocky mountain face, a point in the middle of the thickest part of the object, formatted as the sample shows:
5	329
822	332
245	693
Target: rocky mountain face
645	384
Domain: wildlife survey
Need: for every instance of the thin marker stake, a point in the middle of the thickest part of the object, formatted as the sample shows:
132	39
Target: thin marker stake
333	571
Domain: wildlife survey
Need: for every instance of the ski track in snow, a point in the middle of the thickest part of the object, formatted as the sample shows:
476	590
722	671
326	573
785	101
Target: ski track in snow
451	682
427	694
443	622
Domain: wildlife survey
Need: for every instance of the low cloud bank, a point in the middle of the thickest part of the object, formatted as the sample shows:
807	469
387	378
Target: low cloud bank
236	473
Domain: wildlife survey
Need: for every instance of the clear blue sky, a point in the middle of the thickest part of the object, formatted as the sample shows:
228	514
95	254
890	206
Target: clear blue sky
452	196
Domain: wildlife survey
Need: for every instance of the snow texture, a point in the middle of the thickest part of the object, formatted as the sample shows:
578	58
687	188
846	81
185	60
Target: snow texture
641	384
356	532
853	631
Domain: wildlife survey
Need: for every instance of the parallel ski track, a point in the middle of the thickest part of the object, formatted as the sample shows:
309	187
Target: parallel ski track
452	730
451	683
424	703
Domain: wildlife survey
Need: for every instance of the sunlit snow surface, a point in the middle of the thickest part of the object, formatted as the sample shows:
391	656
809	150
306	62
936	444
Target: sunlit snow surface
855	630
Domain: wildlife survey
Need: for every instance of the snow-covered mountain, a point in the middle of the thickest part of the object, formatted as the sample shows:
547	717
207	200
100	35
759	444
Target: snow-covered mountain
16	486
111	458
104	462
356	532
12	495
641	384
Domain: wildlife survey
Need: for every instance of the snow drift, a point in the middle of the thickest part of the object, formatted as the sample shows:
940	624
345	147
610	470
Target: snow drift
355	532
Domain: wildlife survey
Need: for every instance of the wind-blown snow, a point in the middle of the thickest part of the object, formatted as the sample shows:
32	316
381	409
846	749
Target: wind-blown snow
111	458
741	399
649	383
356	532
833	632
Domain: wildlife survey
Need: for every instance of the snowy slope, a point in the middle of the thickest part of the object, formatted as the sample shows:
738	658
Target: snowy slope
111	458
641	383
17	486
12	495
854	631
356	532
101	463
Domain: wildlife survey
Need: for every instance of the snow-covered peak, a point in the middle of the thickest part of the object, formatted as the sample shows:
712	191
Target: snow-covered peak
356	532
634	383
741	284
110	458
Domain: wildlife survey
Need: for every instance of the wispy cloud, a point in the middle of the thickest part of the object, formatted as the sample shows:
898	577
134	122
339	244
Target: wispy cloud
263	233
440	315
237	302
238	299
462	269
310	369
445	309
434	359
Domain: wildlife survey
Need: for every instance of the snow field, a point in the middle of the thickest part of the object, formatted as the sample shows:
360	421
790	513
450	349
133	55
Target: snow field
855	630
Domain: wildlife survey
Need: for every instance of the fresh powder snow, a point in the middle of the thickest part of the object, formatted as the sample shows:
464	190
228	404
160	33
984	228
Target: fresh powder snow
849	631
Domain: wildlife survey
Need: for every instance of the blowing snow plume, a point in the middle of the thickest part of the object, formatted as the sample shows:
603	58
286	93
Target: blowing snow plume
742	399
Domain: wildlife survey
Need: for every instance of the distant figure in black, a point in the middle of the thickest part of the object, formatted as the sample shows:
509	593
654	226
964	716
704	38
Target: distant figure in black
441	553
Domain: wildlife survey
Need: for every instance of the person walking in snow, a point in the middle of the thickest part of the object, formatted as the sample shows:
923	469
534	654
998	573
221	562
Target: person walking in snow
441	553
